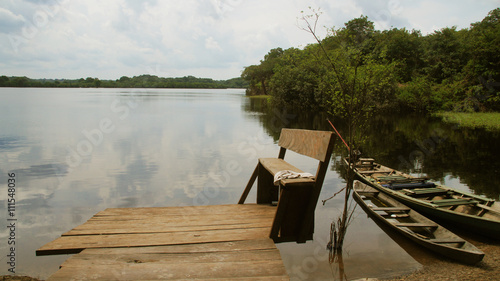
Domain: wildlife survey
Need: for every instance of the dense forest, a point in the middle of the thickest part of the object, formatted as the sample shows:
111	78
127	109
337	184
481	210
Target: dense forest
449	69
143	81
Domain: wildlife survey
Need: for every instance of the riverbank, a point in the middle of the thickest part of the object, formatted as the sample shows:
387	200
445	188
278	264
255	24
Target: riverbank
487	120
17	278
441	269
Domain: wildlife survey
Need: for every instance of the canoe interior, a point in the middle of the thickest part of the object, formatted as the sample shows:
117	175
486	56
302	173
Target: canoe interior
438	196
415	226
397	215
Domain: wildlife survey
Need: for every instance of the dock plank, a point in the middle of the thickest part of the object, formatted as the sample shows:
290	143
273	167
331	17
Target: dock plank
84	259
185	210
225	242
267	270
75	244
123	228
244	245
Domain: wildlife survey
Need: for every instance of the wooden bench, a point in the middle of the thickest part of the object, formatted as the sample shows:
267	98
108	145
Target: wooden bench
297	198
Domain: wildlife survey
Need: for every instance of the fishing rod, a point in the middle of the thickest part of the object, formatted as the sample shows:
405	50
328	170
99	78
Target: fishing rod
338	134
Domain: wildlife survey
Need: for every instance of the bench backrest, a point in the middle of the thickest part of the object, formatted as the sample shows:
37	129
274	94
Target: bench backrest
315	144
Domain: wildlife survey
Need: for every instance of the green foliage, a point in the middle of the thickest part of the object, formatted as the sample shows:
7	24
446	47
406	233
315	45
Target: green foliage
296	78
449	69
404	48
143	81
258	76
237	82
416	94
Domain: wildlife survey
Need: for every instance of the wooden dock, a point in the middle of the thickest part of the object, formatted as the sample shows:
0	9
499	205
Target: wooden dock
172	243
204	242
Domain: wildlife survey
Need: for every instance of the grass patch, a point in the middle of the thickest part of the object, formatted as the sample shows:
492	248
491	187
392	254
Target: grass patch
487	120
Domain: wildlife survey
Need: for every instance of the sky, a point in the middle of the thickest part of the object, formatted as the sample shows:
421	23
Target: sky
70	39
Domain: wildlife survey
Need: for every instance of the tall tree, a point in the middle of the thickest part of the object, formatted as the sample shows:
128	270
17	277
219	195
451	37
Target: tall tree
354	81
259	75
484	67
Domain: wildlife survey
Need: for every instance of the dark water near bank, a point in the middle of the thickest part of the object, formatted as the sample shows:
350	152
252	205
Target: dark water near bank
76	152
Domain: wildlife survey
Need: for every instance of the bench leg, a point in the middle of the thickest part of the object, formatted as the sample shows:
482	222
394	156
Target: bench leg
249	185
279	216
291	215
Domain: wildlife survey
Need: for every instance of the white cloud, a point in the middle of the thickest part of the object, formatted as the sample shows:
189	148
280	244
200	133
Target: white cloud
9	21
209	38
211	44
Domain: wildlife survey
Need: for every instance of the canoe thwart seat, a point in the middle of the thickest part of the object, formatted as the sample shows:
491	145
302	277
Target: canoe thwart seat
416	224
433	191
297	197
375	172
390	178
488	208
446	241
395	215
368	193
391	209
409	185
454	202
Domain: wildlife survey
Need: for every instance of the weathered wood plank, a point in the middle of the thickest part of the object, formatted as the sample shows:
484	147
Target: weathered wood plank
151	222
306	142
75	244
244	245
126	228
241	260
274	165
183	210
269	270
84	260
173	222
229	242
132	217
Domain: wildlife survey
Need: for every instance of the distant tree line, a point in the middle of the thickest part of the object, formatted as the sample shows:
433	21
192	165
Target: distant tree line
449	69
143	81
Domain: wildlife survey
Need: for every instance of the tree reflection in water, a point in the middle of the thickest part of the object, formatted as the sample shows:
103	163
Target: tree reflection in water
338	232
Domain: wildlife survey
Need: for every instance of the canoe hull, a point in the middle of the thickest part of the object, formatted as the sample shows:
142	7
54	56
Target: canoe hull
477	224
467	253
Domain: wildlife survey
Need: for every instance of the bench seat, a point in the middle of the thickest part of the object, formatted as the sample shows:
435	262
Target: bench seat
275	165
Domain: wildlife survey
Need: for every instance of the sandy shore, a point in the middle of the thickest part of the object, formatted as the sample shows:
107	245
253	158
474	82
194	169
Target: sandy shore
441	269
17	278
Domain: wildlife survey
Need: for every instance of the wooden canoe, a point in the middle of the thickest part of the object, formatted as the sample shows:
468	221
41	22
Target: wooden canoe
472	212
414	226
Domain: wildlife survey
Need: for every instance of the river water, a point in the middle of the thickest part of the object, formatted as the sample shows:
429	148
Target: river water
75	152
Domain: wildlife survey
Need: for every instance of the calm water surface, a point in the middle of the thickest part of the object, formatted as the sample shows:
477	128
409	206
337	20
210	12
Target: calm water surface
76	152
